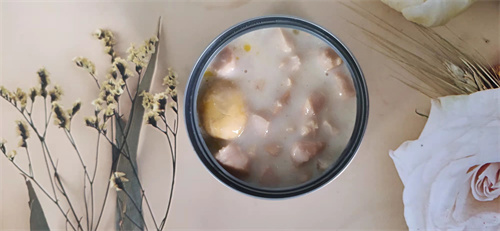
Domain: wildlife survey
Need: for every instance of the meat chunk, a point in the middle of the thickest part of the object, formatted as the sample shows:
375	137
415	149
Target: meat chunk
273	149
303	151
288	82
314	104
310	128
225	62
322	165
304	176
258	125
329	59
285	41
329	129
269	178
344	85
291	63
282	102
251	151
233	159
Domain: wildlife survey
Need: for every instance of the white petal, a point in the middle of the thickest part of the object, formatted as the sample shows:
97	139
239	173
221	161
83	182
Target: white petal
435	12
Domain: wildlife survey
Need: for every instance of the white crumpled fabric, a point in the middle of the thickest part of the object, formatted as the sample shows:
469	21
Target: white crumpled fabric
429	13
451	173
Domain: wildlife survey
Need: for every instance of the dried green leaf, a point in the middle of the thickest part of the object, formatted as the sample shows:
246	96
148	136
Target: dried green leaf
37	217
133	128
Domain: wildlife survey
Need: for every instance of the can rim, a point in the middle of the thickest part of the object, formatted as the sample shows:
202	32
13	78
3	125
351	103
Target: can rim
191	95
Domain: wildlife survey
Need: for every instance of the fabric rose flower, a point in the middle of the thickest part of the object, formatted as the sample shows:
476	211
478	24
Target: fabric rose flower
451	173
429	13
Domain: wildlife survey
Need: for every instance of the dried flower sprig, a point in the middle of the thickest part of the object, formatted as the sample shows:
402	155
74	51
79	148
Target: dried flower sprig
21	97
117	180
22	131
56	93
88	66
85	63
156	107
75	109
61	117
121	66
44	80
139	56
19	100
11	155
106	109
7	95
108	39
33	93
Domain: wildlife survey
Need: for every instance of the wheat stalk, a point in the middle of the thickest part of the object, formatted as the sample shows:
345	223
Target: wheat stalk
440	67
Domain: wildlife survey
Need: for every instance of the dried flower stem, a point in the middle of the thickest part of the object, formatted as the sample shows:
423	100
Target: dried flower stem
29	161
173	152
96	81
111	92
136	207
440	66
48	158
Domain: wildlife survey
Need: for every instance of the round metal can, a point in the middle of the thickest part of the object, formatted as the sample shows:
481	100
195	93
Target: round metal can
193	123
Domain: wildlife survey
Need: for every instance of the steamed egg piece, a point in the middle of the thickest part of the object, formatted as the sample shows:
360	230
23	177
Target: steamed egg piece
223	110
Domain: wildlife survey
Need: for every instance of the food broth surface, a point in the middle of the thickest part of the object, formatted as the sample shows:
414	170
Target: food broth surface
277	107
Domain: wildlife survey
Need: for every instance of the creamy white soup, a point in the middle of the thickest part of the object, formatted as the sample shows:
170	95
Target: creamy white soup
277	107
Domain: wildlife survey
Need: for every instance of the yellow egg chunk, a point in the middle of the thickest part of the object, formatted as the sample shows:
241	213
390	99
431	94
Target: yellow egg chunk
247	47
222	110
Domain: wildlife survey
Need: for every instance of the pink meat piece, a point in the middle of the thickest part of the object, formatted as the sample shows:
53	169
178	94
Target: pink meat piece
329	59
310	127
291	63
285	41
282	102
225	62
232	158
273	149
269	178
314	104
258	125
329	129
303	151
344	85
322	165
304	176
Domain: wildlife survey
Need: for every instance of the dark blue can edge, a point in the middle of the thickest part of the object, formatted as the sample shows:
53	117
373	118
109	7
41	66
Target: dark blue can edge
191	95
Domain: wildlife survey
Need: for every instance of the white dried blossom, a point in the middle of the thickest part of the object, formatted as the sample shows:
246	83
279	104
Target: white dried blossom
151	117
22	130
76	107
117	179
11	155
85	63
61	117
98	104
21	97
56	93
92	121
33	93
110	110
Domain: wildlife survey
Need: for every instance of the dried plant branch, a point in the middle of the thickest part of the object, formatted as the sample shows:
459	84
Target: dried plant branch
107	108
433	60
